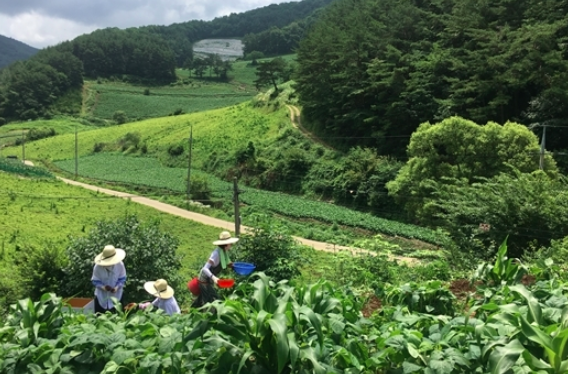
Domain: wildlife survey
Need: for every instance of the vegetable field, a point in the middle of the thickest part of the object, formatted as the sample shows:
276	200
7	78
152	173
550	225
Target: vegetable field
149	172
267	327
163	101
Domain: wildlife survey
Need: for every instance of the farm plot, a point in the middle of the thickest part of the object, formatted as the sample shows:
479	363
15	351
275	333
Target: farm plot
148	172
138	103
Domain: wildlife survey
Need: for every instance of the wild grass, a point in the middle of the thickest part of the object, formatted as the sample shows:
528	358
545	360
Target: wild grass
220	130
35	212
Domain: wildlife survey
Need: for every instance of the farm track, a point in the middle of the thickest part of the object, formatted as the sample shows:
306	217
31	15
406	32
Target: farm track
295	119
215	222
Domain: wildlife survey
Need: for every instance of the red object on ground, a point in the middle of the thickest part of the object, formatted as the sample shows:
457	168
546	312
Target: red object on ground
226	283
193	286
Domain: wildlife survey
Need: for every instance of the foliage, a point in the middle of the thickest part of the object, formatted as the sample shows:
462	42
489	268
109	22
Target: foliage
17	167
425	61
504	271
13	50
41	269
460	149
271	327
271	73
528	208
271	248
119	117
150	255
431	297
127	170
11	288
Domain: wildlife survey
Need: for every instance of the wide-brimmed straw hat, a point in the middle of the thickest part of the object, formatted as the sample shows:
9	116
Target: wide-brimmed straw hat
225	238
110	256
159	289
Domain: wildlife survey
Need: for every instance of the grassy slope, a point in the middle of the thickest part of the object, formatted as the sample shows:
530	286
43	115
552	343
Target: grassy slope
33	212
12	131
226	128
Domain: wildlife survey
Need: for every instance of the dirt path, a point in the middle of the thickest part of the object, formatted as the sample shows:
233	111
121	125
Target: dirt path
215	222
296	120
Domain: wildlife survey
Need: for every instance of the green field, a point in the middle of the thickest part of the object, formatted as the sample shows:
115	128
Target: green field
237	125
36	212
149	172
162	101
14	130
189	94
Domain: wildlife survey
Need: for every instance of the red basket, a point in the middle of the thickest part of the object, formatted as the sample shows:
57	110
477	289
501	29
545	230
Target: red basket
193	286
226	283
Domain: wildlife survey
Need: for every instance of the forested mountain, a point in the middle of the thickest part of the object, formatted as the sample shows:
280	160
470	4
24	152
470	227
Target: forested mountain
372	70
148	53
12	50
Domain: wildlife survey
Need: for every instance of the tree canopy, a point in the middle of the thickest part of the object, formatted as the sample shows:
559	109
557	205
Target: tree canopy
459	149
418	61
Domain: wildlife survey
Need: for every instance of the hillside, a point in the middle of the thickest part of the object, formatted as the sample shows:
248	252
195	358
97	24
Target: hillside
12	50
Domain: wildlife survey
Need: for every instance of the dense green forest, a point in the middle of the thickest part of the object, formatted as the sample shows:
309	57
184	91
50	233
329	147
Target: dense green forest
12	50
417	61
149	54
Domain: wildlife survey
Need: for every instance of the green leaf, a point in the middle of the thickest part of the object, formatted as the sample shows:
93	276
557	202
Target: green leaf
278	326
503	358
408	367
535	313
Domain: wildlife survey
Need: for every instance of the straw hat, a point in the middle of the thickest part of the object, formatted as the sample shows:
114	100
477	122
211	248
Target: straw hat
225	238
159	289
110	256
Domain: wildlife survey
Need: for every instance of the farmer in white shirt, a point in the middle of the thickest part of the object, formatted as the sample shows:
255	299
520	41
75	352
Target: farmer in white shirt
109	278
165	299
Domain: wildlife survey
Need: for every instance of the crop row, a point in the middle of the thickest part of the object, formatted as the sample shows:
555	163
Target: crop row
148	172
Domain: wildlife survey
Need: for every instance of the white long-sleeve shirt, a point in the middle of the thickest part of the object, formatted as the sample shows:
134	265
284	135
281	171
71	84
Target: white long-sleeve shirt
113	276
170	306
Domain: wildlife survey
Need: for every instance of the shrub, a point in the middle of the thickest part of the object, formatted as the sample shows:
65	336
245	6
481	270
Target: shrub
41	269
150	255
98	147
129	140
147	91
120	117
175	150
2	121
271	248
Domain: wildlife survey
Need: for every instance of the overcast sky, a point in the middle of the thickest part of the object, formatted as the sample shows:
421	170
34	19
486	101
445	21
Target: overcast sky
41	23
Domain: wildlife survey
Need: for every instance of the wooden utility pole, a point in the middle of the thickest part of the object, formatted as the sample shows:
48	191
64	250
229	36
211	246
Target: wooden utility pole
76	154
236	202
23	146
189	163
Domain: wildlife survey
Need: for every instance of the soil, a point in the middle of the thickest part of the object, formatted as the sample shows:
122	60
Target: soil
372	305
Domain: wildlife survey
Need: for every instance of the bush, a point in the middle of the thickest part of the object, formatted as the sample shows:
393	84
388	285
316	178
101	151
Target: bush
147	91
270	248
98	147
150	255
41	270
11	288
120	117
2	121
129	140
175	150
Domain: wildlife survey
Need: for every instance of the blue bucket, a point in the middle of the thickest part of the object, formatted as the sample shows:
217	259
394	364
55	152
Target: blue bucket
243	268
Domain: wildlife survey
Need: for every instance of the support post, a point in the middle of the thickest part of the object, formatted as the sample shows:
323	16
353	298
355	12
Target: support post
76	154
189	163
23	146
236	202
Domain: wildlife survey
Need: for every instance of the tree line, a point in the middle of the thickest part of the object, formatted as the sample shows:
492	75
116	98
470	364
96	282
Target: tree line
48	81
418	61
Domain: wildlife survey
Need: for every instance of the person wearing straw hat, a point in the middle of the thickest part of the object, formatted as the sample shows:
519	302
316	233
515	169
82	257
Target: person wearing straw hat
218	261
109	278
165	299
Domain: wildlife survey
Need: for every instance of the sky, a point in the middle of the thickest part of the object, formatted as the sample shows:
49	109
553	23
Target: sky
41	23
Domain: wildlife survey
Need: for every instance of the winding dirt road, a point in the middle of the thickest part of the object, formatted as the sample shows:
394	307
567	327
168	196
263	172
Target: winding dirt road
215	222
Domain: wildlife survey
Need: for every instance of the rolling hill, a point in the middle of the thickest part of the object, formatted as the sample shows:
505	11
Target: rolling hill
12	50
